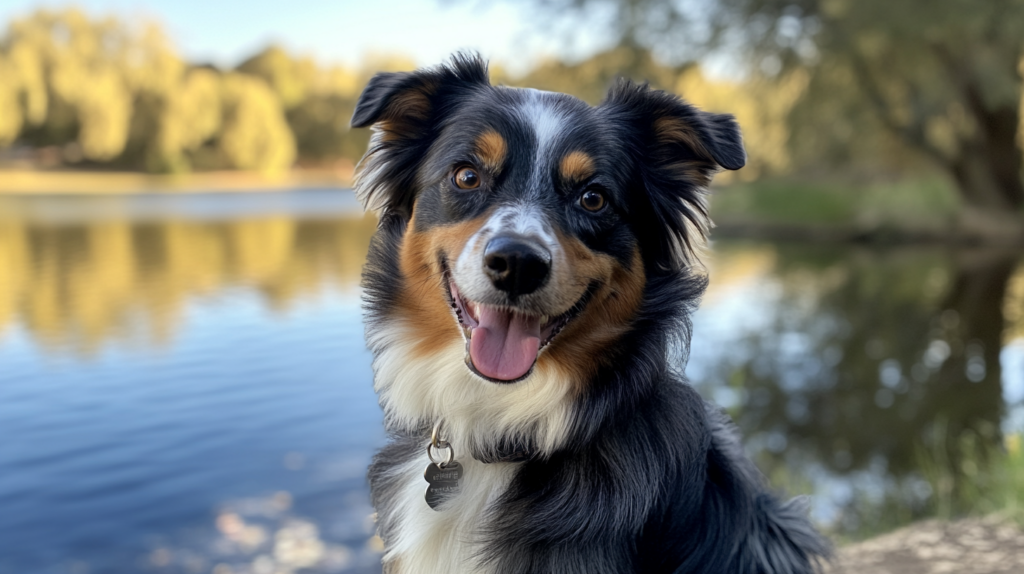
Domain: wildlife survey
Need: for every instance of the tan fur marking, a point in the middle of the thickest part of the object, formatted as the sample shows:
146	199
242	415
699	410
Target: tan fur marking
491	148
581	347
696	171
669	129
577	166
413	104
404	111
577	351
423	304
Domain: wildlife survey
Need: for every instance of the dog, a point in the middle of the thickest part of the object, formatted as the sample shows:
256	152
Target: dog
527	298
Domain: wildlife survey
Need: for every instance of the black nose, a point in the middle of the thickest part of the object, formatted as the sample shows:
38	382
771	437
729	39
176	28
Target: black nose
516	265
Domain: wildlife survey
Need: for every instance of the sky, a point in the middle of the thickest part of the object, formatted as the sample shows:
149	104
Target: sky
225	32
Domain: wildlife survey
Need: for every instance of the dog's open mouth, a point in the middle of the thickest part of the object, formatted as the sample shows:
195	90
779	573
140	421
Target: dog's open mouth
502	343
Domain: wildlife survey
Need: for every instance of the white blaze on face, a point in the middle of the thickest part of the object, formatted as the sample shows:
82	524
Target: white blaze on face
523	219
547	122
507	334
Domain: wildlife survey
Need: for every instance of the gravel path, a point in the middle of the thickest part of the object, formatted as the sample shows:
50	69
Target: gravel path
970	546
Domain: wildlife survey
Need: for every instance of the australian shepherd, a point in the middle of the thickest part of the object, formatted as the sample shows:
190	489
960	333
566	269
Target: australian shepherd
527	298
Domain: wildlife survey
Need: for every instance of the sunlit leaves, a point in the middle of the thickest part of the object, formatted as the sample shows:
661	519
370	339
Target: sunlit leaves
255	134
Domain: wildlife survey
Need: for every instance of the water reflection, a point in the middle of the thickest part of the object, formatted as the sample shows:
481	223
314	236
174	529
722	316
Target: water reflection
881	369
888	383
78	285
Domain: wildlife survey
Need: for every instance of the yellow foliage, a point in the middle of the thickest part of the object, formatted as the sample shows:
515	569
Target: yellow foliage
188	117
150	63
290	78
341	81
10	107
255	134
103	115
27	72
87	65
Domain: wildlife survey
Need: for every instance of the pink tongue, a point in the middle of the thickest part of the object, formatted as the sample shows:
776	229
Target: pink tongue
504	345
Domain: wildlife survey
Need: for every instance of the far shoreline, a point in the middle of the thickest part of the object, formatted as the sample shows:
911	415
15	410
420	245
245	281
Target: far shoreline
30	182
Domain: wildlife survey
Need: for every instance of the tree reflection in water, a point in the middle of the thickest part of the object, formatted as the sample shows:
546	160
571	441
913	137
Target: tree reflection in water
79	285
871	378
876	378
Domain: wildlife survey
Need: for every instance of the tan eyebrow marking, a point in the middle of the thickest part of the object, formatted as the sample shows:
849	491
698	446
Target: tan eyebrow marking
577	166
491	148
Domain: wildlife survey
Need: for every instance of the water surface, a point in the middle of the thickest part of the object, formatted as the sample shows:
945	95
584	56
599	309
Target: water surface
184	385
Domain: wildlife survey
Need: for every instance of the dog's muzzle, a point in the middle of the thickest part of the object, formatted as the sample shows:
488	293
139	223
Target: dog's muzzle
516	265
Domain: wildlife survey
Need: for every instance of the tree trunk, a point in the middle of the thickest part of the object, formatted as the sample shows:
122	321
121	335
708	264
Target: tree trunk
967	393
988	176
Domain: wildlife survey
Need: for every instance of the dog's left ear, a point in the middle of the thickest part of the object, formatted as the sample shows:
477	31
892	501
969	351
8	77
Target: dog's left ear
405	110
676	149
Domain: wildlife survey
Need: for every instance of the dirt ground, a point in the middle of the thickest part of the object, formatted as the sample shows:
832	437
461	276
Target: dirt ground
970	546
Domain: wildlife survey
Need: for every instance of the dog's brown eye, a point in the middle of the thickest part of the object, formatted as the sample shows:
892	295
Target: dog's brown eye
592	200
467	178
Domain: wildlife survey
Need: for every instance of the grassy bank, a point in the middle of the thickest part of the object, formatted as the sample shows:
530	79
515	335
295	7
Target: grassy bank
916	209
965	478
28	181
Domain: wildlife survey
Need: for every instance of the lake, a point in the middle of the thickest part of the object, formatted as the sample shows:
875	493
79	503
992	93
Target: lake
184	385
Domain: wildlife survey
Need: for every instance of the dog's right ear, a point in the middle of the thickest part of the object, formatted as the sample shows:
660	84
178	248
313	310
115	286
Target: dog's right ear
405	109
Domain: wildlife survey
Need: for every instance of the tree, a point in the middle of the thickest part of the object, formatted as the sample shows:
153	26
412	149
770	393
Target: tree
942	76
762	115
255	134
115	93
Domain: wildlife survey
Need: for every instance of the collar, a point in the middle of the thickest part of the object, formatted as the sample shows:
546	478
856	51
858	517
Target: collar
517	450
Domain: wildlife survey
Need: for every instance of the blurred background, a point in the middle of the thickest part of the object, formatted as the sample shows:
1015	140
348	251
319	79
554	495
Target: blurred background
184	385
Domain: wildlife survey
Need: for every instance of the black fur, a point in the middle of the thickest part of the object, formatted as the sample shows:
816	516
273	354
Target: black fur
443	89
674	200
652	478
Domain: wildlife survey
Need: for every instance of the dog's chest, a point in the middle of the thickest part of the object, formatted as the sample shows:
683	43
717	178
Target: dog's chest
446	540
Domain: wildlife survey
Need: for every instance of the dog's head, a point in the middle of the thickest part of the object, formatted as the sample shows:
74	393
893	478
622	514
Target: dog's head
530	221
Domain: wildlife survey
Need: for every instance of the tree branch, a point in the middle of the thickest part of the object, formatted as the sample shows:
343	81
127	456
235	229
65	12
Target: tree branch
914	133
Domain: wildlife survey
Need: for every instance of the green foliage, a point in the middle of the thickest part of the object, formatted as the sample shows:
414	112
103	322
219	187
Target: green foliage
320	126
892	84
969	476
590	79
786	202
912	203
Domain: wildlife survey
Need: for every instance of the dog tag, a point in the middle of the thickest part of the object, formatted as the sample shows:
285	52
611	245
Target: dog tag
441	482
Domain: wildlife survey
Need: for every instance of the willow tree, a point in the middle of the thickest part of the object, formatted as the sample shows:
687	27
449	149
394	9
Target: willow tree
942	76
115	92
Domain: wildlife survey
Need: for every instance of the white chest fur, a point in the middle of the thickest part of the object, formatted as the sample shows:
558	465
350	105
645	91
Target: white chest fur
417	391
446	540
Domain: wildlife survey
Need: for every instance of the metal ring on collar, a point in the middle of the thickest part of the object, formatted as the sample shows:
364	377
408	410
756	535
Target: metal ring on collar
441	463
435	436
438	444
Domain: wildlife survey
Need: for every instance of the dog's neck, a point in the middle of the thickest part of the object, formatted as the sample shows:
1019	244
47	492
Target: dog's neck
515	450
